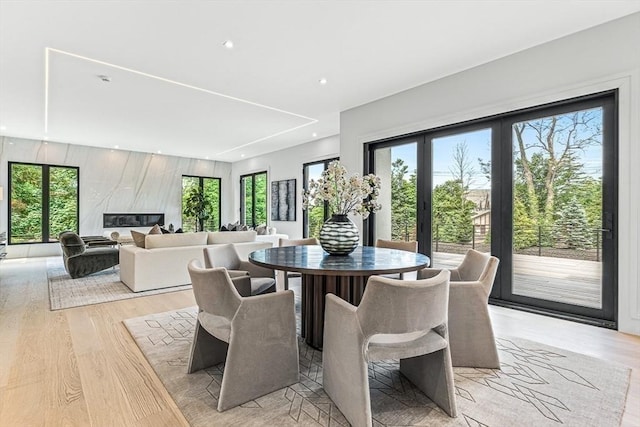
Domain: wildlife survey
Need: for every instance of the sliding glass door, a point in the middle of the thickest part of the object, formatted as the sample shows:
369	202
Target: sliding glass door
537	188
563	250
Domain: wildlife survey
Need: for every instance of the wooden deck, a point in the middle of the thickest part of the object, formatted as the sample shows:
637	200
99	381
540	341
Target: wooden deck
555	279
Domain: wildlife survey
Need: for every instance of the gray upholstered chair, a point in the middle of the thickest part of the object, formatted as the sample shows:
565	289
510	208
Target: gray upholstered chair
397	319
80	261
254	336
310	241
409	246
262	279
471	337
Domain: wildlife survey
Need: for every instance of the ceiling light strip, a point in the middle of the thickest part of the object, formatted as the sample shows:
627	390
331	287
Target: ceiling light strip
118	67
266	137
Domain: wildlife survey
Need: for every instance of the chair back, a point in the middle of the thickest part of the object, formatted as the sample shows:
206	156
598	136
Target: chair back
214	291
488	276
71	243
410	246
472	266
221	256
299	242
391	306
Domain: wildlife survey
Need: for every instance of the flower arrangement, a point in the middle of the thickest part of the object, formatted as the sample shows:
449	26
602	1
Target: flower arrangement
344	195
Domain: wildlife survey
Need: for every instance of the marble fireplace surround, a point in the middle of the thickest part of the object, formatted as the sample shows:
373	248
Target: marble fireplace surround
113	181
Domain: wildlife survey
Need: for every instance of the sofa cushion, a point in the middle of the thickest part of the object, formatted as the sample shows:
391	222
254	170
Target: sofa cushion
154	241
155	230
223	237
138	238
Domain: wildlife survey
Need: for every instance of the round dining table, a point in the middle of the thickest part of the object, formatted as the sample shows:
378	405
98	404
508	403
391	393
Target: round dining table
344	275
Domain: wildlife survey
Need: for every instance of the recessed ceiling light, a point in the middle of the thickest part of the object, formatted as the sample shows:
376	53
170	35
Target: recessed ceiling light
241	155
228	44
314	134
206	157
159	152
45	137
3	128
322	81
116	146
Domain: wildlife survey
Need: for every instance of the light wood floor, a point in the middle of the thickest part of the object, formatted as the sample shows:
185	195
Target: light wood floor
80	367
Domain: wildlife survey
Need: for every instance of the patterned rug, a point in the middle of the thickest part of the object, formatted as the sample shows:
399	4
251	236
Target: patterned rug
538	385
104	286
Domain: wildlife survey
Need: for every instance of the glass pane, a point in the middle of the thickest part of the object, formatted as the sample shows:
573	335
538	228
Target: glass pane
557	208
315	214
461	196
189	185
212	195
261	199
63	201
247	199
396	167
26	203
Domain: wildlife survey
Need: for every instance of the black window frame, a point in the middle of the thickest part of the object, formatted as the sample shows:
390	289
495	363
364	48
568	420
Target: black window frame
253	198
201	180
501	199
305	186
45	217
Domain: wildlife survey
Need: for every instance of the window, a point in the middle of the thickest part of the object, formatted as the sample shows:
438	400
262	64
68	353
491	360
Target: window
253	199
550	173
200	203
314	217
43	202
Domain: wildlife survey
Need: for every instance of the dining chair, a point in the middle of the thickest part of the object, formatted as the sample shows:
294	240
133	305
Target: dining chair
396	319
310	241
471	336
254	336
409	246
262	279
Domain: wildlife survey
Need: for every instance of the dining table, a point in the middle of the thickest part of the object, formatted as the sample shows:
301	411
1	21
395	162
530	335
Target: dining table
343	275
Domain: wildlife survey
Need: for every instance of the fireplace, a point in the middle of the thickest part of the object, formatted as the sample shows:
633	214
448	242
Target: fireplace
117	220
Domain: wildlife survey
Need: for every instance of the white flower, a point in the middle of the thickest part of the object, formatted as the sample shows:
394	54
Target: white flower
343	195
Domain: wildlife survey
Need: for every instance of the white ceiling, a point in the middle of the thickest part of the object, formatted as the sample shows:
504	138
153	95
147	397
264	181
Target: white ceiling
174	87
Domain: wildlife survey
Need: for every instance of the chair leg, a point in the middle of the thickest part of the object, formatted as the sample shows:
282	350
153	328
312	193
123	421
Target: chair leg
206	350
345	375
286	280
433	374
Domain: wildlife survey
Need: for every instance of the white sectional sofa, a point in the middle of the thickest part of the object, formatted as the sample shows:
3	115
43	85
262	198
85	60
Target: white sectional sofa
163	261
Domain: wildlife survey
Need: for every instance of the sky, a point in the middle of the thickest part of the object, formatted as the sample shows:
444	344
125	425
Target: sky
479	147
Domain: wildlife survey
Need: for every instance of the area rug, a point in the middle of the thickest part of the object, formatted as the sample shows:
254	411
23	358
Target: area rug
538	385
104	286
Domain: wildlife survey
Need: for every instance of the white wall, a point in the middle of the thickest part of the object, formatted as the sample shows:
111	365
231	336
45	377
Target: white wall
284	164
114	181
597	59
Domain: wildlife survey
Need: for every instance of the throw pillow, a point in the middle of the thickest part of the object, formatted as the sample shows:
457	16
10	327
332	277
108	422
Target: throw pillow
179	230
138	238
164	231
261	230
155	230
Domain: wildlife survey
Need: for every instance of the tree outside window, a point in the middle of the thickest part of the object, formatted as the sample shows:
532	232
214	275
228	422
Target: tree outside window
200	203
43	202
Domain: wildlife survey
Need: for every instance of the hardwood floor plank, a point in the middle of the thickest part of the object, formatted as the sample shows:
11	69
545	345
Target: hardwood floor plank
81	367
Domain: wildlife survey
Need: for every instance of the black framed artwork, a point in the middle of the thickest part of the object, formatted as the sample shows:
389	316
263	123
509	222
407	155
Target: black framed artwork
283	200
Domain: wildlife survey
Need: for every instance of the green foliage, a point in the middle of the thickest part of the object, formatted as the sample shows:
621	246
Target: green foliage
403	202
195	198
254	207
571	229
197	206
525	229
27	202
452	213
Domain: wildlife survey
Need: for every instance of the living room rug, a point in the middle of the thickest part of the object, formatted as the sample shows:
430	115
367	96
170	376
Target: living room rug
538	385
104	286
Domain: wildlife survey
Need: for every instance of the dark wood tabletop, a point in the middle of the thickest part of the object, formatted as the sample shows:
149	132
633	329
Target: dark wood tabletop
364	261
